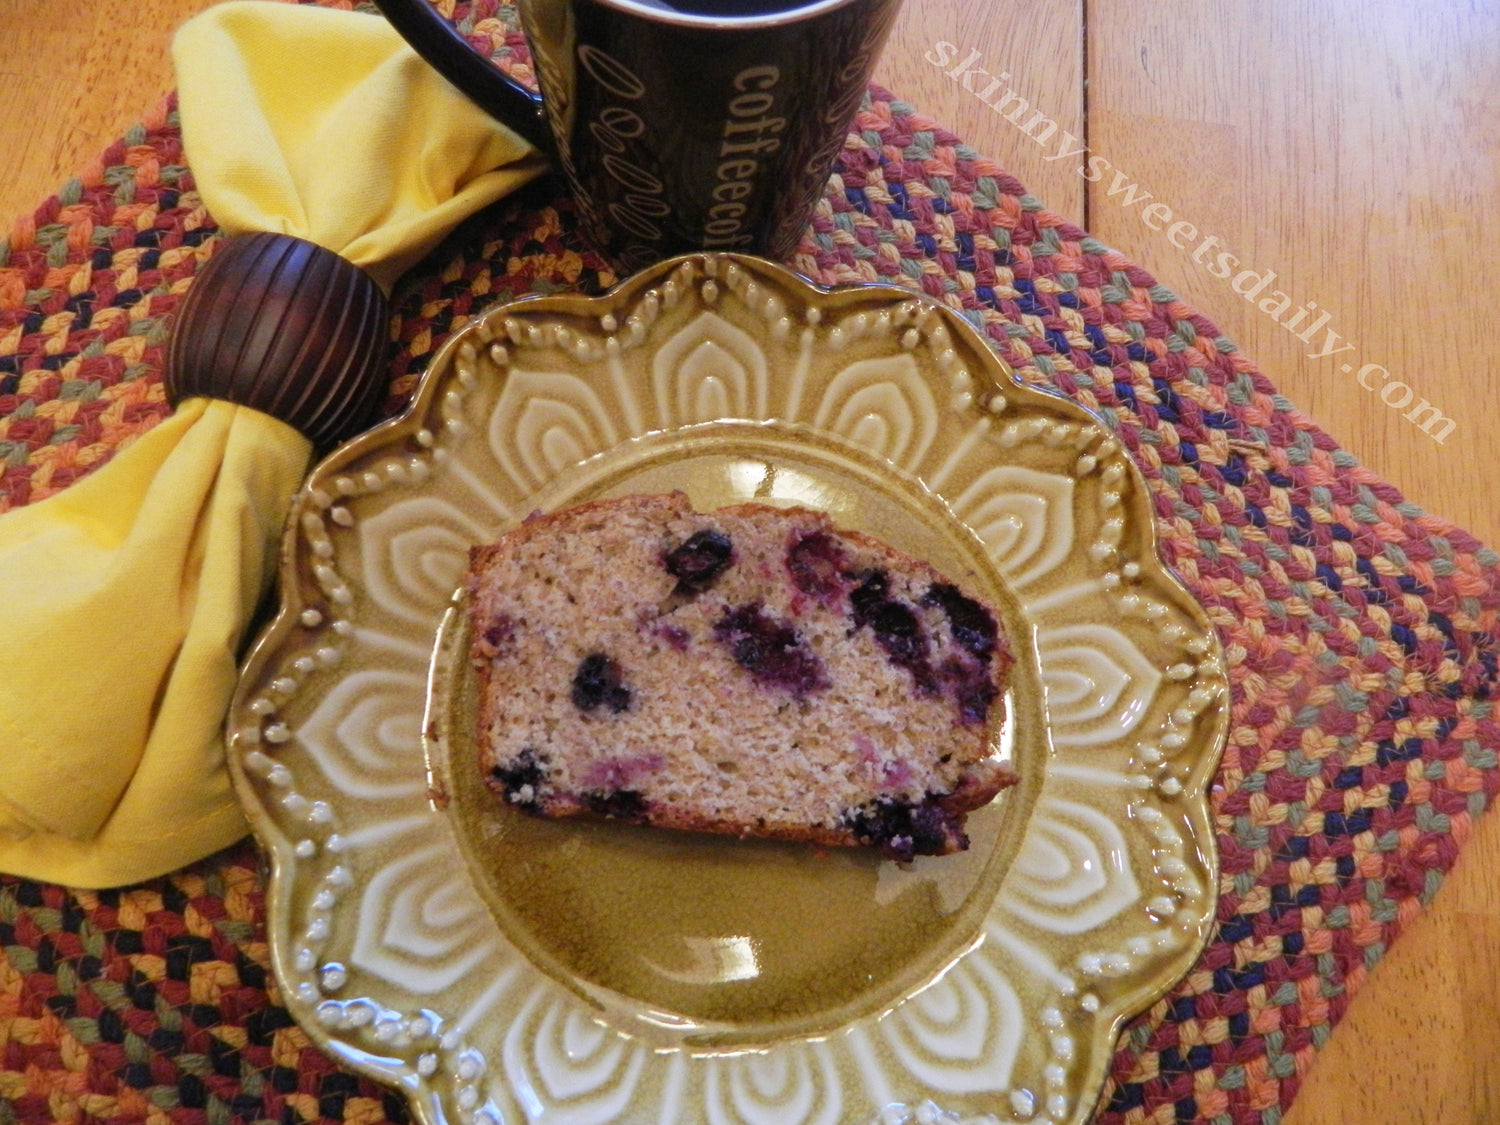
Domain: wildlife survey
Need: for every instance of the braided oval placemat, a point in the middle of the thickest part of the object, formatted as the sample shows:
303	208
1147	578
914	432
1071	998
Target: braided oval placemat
1361	634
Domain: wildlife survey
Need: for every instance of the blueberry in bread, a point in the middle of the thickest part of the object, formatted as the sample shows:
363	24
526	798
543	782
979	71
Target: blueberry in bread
750	670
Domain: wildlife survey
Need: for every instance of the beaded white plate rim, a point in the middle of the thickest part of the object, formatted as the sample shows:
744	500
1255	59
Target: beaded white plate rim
381	942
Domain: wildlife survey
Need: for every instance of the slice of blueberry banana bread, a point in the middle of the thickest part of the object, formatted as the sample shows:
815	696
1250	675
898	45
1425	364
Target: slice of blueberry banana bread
751	670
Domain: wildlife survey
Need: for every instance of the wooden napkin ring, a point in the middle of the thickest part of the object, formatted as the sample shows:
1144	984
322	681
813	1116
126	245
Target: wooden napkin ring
287	327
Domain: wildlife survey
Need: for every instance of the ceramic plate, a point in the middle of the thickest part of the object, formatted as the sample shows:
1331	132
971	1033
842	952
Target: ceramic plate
497	968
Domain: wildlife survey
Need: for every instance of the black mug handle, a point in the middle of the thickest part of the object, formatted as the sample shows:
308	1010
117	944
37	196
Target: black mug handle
438	42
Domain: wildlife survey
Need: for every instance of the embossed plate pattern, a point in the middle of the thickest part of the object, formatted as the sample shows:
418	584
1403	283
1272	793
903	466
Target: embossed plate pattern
732	378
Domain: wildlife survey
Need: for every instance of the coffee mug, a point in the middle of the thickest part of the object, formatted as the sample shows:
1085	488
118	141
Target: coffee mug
679	124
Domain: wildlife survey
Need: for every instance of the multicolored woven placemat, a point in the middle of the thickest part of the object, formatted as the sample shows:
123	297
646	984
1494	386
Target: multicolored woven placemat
1361	634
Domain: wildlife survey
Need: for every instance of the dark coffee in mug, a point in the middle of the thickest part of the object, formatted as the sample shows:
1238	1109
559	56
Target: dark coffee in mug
694	124
723	7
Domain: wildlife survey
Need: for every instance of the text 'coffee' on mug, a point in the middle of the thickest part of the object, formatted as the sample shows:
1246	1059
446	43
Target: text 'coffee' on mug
680	124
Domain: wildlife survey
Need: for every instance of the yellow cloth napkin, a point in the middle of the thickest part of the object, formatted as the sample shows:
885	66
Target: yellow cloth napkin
126	597
326	125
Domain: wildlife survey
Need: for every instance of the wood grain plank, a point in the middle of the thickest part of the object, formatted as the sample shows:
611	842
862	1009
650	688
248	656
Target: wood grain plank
1349	151
71	87
1345	152
942	56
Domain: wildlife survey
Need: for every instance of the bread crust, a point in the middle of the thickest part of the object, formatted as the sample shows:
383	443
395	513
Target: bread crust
806	649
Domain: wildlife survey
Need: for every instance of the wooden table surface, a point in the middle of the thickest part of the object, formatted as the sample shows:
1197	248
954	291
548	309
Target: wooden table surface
1351	149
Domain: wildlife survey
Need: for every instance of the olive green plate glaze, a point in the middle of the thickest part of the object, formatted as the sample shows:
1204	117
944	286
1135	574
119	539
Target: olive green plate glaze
605	908
499	968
